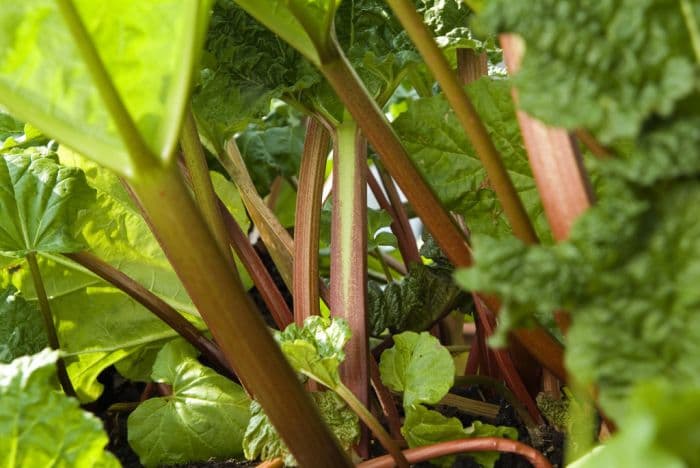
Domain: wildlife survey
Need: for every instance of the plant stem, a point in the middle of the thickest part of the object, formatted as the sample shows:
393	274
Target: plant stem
349	256
141	155
395	454
471	66
203	189
268	289
410	249
513	207
276	238
692	25
480	444
385	401
233	320
385	268
154	304
308	221
49	324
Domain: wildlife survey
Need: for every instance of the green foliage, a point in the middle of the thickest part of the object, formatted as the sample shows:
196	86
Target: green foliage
41	203
606	66
377	222
148	51
244	66
660	429
426	427
205	417
437	144
419	367
414	303
40	426
262	441
316	349
21	327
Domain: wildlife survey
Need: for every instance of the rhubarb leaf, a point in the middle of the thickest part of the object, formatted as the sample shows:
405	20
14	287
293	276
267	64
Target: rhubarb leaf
419	367
262	441
426	427
21	327
42	204
39	425
316	349
631	60
148	50
414	303
205	416
437	144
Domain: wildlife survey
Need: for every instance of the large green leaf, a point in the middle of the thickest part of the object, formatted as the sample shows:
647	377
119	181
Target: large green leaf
436	142
607	66
205	417
628	275
40	426
262	441
316	349
40	202
148	49
419	367
21	327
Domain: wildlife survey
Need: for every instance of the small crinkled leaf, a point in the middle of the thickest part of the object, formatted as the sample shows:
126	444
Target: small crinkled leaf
205	417
436	142
316	349
414	303
606	66
40	426
480	429
660	429
262	441
9	127
41	203
419	367
148	49
21	327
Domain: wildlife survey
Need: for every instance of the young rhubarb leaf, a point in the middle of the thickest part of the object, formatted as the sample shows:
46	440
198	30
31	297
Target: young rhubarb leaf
39	425
316	349
205	417
21	328
262	442
437	144
419	367
414	303
41	203
148	50
631	60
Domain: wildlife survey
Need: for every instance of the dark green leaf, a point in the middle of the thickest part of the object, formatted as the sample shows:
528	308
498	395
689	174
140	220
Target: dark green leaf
21	327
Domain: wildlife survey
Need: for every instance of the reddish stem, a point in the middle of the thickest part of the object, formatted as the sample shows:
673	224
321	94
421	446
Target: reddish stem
480	444
386	401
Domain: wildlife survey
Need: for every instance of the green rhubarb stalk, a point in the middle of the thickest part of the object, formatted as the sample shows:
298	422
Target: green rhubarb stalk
49	325
206	198
692	25
499	179
349	253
